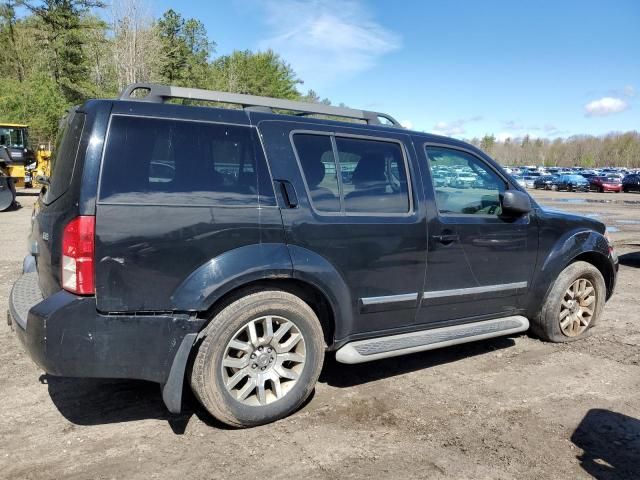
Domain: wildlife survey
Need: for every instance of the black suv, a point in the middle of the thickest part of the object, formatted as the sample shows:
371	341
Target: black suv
232	247
631	183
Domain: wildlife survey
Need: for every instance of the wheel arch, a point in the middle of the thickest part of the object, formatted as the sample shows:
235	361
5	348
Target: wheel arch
582	245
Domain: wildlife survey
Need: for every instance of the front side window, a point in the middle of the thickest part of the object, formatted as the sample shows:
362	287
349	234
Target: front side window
464	184
162	161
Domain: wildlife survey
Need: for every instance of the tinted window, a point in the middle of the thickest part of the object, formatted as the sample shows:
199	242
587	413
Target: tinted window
319	167
374	176
161	161
471	187
63	160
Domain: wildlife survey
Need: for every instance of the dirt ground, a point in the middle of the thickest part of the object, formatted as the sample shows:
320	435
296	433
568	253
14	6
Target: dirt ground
504	408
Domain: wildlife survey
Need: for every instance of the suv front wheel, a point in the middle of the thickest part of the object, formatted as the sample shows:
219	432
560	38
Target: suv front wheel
259	359
573	305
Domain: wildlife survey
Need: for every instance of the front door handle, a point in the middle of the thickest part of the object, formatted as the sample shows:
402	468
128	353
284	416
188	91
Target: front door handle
446	239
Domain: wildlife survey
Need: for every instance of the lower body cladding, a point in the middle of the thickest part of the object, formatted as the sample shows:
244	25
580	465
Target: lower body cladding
66	336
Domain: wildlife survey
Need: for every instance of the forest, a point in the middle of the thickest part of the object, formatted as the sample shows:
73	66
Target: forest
58	53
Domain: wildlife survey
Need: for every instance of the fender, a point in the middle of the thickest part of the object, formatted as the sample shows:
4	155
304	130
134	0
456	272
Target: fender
569	246
234	268
319	272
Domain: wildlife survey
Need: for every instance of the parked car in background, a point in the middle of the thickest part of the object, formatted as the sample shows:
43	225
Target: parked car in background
605	184
570	183
463	180
520	180
631	183
528	181
544	182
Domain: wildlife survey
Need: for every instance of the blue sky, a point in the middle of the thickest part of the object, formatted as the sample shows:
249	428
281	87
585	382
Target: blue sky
460	68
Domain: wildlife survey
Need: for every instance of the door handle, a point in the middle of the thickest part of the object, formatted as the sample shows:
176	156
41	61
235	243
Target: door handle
288	193
446	239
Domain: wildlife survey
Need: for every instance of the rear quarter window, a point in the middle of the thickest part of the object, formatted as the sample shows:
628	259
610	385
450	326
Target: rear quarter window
65	152
166	161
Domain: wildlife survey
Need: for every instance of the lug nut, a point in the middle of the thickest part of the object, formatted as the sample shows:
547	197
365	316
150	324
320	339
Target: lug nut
269	349
255	365
260	348
263	368
253	355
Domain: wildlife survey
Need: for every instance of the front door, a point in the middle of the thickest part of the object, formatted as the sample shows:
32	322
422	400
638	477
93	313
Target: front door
480	262
360	208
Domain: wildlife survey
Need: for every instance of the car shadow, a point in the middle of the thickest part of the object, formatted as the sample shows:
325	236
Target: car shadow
96	401
339	375
630	259
611	445
89	401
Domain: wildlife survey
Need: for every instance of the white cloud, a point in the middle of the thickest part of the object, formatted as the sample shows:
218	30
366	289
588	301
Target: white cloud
408	124
629	91
326	41
455	127
605	106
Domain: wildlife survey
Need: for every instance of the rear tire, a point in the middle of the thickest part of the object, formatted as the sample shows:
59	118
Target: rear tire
572	306
259	359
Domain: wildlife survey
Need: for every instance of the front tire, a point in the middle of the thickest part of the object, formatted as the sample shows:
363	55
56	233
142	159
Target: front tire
573	305
259	359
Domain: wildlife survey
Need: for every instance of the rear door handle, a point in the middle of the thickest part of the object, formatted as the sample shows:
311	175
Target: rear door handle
288	193
446	239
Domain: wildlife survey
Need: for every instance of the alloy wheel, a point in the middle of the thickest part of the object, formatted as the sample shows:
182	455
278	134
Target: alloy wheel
577	307
263	360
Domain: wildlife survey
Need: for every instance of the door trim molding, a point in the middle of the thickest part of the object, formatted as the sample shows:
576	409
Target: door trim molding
388	302
456	292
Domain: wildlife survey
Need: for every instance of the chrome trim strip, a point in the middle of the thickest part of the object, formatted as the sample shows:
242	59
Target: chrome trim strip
405	297
473	290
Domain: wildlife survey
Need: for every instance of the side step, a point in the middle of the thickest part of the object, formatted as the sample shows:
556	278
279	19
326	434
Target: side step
395	345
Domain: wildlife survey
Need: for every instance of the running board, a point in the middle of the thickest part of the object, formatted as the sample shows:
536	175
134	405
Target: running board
394	345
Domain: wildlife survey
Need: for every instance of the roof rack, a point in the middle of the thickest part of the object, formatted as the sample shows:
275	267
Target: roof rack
161	93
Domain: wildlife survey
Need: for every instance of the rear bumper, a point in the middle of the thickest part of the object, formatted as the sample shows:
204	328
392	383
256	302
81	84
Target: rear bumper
65	335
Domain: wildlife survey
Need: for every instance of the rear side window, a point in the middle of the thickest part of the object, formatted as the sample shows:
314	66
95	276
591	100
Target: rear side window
319	168
374	176
161	161
357	176
65	151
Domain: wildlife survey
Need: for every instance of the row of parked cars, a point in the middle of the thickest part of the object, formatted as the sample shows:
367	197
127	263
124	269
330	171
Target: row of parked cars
608	180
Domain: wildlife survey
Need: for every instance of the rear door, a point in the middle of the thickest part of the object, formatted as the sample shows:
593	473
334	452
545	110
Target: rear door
480	262
359	209
175	193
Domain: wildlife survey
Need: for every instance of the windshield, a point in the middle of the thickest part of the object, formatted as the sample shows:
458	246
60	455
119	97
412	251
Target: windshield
13	137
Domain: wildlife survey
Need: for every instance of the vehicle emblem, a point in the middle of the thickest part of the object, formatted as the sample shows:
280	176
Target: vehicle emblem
45	236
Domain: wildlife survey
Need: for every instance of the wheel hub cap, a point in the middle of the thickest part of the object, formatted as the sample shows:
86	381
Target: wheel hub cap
263	360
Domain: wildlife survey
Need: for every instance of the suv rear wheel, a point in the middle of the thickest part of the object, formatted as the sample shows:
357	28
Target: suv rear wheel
573	305
259	359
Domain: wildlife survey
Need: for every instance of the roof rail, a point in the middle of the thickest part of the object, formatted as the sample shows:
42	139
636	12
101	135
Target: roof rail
161	93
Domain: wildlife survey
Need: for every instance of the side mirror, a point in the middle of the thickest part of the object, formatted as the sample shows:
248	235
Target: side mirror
515	202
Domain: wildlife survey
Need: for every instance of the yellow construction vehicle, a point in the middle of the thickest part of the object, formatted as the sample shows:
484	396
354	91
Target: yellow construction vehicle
17	162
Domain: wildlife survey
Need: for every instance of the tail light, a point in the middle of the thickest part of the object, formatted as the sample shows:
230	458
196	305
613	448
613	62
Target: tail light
78	247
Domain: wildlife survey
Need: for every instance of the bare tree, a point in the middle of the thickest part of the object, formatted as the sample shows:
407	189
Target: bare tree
135	42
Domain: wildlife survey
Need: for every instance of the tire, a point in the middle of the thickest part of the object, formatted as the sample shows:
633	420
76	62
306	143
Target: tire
548	324
209	377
